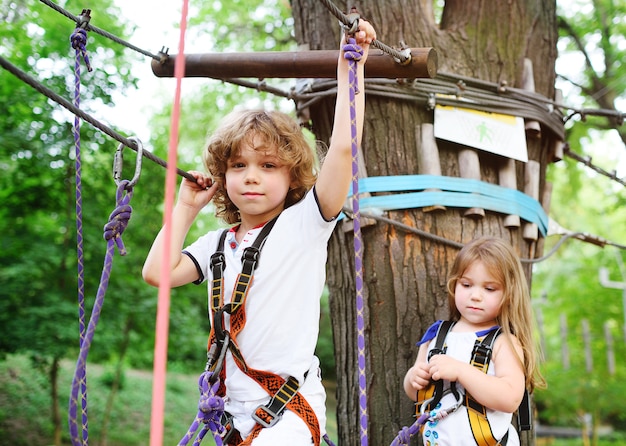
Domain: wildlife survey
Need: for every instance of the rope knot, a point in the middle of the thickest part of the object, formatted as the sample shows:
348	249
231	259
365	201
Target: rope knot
210	404
119	218
352	51
79	42
79	39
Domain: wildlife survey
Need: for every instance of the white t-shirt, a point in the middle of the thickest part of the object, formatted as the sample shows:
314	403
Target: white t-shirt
454	429
283	304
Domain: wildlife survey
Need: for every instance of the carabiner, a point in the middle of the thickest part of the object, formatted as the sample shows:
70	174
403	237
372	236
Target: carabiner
214	364
353	22
118	163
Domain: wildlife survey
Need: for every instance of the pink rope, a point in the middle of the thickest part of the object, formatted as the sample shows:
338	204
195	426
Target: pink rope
163	308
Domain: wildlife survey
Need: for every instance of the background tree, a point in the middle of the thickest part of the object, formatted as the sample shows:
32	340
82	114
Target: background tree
38	273
404	274
591	76
592	39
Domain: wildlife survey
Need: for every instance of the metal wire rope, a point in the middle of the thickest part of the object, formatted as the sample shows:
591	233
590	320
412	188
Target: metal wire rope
458	245
348	23
84	22
86	117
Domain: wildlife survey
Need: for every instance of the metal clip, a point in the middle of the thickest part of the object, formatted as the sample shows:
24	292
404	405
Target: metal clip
353	19
273	416
118	163
213	365
82	21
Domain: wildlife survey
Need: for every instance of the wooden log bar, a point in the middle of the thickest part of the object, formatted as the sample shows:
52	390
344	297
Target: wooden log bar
296	64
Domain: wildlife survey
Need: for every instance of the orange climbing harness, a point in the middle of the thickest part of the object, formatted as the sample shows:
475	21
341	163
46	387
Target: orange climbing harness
284	393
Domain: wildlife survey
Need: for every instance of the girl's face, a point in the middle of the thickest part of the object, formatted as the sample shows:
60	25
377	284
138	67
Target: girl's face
478	297
257	182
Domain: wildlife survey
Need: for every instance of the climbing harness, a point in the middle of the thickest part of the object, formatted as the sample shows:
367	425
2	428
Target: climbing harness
284	393
429	397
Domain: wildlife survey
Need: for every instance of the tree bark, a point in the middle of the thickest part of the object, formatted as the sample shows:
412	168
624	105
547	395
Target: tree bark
405	274
54	395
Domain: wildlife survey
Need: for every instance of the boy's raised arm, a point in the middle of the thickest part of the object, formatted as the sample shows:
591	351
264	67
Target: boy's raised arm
334	179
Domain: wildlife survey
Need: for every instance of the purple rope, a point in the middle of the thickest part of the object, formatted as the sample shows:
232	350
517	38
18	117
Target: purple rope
210	411
328	441
405	434
118	221
78	40
353	53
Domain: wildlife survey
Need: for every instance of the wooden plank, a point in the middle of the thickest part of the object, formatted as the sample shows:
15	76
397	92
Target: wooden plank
297	64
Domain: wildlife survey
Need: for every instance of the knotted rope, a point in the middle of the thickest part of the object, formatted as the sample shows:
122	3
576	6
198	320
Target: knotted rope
353	53
405	434
79	43
118	221
210	411
78	40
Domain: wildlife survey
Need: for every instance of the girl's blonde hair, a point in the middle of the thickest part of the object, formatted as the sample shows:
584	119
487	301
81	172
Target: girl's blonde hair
277	130
516	315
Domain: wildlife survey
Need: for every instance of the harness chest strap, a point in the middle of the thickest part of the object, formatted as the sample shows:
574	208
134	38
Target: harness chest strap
476	412
284	393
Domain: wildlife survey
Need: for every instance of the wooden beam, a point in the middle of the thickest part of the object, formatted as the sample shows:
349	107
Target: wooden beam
298	64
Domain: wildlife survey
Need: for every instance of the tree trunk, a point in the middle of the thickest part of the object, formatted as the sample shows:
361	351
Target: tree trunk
405	274
54	397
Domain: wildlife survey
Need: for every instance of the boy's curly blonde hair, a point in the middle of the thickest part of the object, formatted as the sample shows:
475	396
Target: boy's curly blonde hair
277	130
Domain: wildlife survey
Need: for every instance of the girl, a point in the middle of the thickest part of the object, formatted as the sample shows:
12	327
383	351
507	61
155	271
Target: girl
487	288
262	169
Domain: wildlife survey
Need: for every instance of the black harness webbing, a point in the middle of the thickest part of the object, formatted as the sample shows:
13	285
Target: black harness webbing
429	397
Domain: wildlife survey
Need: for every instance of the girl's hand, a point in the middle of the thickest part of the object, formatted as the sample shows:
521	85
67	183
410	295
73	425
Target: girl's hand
196	194
419	376
445	367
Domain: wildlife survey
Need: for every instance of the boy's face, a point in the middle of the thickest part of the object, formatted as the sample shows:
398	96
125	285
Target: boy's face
257	182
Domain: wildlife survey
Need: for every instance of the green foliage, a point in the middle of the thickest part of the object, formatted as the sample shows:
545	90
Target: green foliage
38	231
25	405
325	349
593	204
592	47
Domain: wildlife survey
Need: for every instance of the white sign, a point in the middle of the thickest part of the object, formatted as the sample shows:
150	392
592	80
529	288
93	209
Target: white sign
492	132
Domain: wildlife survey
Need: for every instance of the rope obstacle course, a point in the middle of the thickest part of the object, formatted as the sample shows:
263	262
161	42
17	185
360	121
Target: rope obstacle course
119	219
